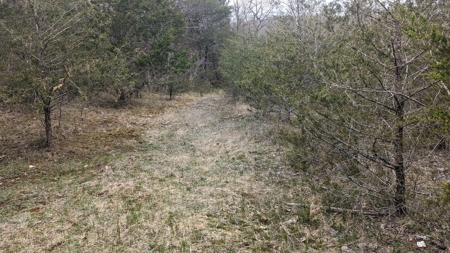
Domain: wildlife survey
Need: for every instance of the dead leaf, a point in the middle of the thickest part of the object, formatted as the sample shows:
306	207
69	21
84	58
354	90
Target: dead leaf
57	87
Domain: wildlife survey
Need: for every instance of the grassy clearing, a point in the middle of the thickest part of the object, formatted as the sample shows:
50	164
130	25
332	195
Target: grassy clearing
204	176
81	133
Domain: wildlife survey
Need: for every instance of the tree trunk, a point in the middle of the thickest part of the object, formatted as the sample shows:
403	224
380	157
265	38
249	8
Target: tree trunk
48	125
170	92
122	94
399	168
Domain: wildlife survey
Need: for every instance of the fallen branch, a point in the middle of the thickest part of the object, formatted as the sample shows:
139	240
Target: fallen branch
341	210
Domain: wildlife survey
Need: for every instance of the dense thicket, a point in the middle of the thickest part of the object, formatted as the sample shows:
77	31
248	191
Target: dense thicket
55	50
365	83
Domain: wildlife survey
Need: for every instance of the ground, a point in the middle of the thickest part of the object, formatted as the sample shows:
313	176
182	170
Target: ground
202	175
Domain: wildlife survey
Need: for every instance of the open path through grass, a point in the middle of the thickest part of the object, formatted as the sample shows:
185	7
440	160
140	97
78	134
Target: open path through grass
205	178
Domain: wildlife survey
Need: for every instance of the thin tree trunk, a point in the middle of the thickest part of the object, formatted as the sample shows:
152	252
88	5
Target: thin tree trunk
399	167
48	125
400	181
122	96
170	92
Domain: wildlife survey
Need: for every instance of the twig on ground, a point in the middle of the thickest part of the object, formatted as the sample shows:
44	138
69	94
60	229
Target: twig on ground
341	210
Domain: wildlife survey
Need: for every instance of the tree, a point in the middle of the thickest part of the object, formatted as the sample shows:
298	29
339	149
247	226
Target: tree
275	69
253	16
41	40
361	88
145	34
439	115
376	93
207	27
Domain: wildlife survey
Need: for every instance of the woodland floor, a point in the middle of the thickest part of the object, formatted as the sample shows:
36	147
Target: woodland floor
198	174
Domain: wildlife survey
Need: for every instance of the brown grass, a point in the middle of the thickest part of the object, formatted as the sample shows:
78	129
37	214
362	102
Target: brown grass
198	174
80	133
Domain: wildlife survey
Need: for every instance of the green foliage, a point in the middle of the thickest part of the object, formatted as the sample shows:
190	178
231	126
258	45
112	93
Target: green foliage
208	26
439	117
274	71
146	36
437	114
441	56
36	48
53	51
378	91
41	52
358	87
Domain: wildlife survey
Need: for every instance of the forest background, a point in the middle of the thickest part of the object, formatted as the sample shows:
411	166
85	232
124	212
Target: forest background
358	90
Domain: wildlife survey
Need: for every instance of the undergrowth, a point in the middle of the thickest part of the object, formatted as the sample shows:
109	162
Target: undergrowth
341	196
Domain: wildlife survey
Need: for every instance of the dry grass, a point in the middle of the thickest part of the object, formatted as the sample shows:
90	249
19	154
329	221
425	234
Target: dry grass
80	133
199	174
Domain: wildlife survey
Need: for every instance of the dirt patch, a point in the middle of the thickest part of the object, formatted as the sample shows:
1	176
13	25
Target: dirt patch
80	133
